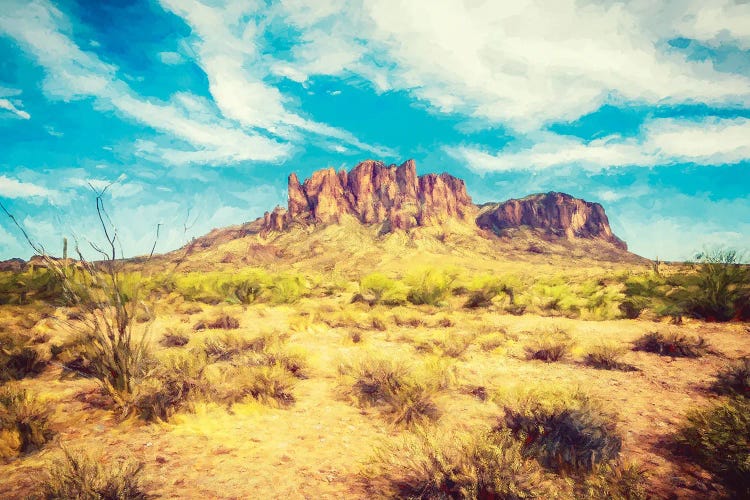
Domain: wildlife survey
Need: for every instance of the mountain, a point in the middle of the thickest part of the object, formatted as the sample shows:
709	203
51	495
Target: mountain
556	214
379	216
375	193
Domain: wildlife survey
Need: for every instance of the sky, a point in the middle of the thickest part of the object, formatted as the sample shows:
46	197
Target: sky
196	112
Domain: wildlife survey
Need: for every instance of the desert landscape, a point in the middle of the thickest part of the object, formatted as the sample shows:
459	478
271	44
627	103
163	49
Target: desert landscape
381	336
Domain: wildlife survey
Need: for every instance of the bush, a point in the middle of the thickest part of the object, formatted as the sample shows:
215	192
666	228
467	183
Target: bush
377	288
450	344
672	344
549	346
734	380
565	437
229	345
430	286
394	386
484	289
223	322
631	308
170	387
287	289
722	285
454	465
24	422
85	477
269	384
718	439
18	359
174	339
614	481
607	357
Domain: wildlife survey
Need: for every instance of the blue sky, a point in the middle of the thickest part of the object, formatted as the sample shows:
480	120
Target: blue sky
199	111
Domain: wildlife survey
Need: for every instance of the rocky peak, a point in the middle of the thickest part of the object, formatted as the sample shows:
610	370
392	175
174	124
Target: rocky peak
557	214
374	193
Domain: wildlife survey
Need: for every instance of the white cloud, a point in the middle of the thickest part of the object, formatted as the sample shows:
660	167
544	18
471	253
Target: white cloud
13	188
73	73
171	58
226	41
525	63
711	141
9	106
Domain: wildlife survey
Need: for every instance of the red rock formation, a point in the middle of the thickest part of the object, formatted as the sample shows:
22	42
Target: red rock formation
375	193
558	214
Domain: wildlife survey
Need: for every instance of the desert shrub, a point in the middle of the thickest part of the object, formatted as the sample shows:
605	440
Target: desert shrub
550	345
408	320
395	386
718	438
229	345
614	481
632	308
607	357
450	344
270	384
288	288
18	359
378	323
85	477
485	288
222	322
722	284
430	465
170	387
377	288
24	422
573	436
672	344
492	340
734	379
430	286
173	338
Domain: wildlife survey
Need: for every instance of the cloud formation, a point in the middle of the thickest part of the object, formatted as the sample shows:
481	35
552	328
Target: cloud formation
710	141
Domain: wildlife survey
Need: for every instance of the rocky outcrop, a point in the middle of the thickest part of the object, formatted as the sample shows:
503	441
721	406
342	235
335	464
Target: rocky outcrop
14	265
556	214
374	193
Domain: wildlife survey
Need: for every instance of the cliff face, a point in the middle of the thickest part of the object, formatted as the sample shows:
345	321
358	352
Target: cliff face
374	193
397	198
558	214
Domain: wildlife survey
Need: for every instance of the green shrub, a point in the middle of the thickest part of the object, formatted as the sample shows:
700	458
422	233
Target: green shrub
672	344
83	477
734	380
430	286
607	357
377	288
633	307
722	285
718	439
485	288
24	422
429	465
288	288
565	437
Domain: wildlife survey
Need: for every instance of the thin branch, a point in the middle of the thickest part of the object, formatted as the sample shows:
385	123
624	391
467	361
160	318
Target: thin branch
158	227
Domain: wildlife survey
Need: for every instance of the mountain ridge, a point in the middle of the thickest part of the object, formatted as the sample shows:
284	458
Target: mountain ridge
397	199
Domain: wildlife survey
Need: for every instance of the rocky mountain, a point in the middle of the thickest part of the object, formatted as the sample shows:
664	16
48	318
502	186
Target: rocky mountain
555	214
396	198
374	193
